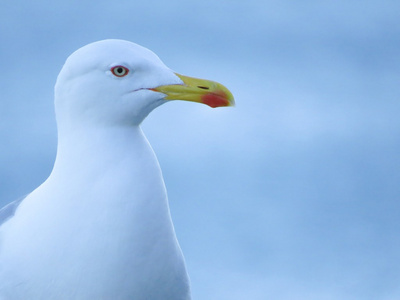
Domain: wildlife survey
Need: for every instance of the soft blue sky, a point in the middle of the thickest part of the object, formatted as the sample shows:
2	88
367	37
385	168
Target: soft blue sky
292	194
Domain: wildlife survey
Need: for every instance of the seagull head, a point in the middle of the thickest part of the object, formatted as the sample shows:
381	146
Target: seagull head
116	82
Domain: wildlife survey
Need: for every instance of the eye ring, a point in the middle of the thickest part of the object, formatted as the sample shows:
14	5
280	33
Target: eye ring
120	71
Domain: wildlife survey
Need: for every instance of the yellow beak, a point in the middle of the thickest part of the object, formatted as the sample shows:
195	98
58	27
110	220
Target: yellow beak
204	91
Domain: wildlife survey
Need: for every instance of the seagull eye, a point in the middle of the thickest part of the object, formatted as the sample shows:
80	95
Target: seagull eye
120	71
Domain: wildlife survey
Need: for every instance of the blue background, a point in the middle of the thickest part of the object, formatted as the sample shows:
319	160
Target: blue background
292	194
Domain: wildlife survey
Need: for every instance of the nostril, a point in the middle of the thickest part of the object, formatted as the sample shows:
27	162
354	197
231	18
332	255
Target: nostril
203	87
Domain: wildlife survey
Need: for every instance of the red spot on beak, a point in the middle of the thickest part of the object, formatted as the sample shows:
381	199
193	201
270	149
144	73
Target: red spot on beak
215	99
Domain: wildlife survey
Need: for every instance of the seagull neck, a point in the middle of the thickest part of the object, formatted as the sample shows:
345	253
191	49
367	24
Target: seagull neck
113	169
108	145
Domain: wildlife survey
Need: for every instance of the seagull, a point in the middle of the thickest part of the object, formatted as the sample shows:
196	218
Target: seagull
100	227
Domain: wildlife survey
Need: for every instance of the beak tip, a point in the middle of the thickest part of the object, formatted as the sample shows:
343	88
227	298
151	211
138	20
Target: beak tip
219	99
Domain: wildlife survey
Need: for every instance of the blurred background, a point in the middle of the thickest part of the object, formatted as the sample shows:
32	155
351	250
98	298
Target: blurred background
292	194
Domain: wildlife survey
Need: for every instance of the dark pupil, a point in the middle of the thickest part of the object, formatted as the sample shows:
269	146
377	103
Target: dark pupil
120	70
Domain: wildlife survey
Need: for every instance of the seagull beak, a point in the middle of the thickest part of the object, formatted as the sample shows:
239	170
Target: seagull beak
204	91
